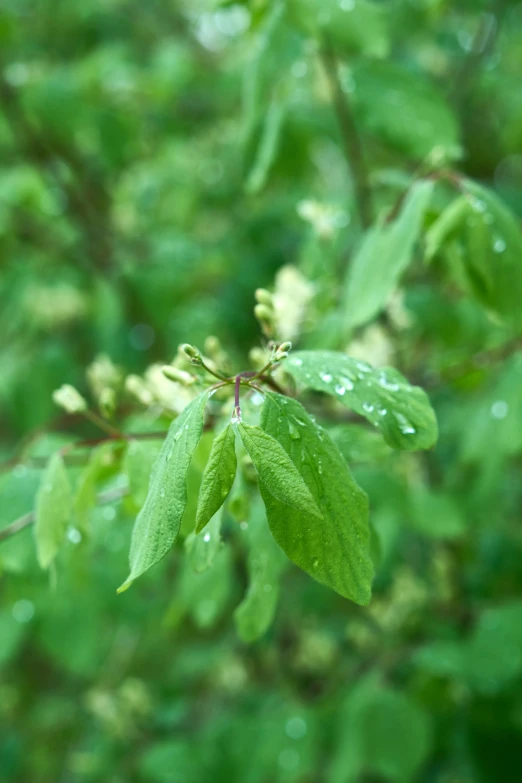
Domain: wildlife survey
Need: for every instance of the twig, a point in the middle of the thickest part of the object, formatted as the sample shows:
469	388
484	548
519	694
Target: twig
352	146
30	518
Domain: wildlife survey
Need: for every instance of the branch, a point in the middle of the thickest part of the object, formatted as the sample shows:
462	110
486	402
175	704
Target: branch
30	518
352	146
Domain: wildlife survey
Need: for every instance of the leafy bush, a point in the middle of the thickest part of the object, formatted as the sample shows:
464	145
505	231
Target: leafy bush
318	192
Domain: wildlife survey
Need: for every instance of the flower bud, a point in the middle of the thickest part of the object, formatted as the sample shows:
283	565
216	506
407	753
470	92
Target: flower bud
68	398
263	313
264	297
138	388
180	376
285	347
192	353
107	401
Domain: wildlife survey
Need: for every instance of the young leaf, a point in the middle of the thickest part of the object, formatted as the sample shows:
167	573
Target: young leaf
255	613
202	548
277	473
53	510
401	412
218	477
334	551
383	256
158	522
139	461
268	145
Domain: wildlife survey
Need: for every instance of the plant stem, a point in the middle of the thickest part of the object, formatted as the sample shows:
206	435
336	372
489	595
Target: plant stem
103	424
352	146
216	374
28	519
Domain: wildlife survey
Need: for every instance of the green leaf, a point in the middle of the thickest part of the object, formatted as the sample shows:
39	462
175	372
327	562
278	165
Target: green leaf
202	548
268	144
403	109
206	594
53	510
447	224
355	27
436	514
101	460
256	612
359	444
139	461
491	249
382	731
277	473
334	551
401	412
218	477
383	256
494	652
158	522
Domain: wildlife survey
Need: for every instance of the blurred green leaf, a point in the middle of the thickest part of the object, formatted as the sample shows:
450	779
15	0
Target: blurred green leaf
202	548
382	257
54	505
255	613
404	110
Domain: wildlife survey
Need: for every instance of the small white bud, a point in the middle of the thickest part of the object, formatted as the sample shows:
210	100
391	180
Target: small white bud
68	398
138	388
180	376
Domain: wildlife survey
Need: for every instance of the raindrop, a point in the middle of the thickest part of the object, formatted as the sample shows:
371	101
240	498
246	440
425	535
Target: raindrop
368	407
499	409
257	398
299	69
389	385
382	411
295	728
206	538
478	205
326	377
243	525
315	563
499	245
347	383
289	758
74	535
340	390
23	611
404	425
293	431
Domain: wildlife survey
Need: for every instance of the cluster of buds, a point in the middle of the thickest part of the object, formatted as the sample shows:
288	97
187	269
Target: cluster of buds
264	311
281	352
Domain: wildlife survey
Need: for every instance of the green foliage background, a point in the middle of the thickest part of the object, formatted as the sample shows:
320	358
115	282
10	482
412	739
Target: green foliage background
159	162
